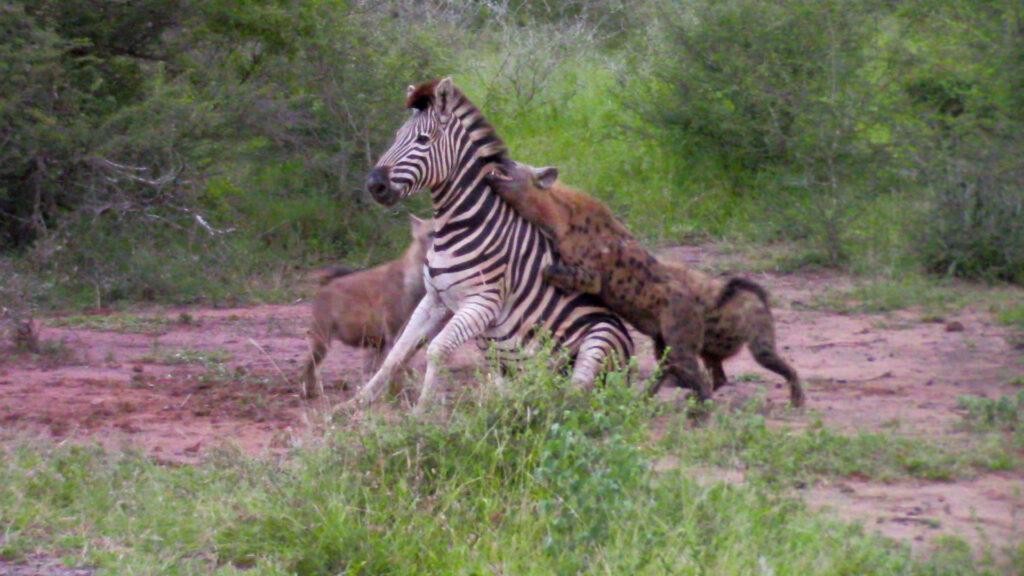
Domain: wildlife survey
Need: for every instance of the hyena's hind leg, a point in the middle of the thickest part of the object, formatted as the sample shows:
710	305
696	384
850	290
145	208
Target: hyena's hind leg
312	383
762	347
374	358
714	365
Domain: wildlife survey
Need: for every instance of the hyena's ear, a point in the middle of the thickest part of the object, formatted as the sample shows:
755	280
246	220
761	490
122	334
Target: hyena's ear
444	99
544	178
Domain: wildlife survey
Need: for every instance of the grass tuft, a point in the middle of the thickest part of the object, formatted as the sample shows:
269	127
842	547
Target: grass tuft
187	356
133	323
934	298
1004	414
790	457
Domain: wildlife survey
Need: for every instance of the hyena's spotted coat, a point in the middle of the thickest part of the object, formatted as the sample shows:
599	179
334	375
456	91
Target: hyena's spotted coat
685	311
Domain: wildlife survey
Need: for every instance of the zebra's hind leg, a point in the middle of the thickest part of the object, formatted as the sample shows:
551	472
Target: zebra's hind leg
472	318
606	345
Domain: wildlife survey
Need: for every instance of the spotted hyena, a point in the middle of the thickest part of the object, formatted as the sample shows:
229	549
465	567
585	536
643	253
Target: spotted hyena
598	255
686	312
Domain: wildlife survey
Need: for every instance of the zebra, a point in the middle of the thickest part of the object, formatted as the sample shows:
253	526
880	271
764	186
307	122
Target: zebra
483	270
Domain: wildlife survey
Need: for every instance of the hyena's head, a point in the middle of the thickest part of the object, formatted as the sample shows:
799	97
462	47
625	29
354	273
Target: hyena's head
512	177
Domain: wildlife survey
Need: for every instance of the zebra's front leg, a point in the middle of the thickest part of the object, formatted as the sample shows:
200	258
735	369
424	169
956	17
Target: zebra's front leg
428	316
472	318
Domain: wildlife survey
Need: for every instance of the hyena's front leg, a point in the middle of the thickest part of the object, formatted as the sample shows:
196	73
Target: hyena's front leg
572	279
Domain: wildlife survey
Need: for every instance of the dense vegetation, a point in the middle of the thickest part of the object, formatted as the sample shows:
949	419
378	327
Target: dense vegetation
170	150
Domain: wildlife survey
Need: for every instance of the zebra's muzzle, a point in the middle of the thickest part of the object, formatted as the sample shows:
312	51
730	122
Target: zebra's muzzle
378	184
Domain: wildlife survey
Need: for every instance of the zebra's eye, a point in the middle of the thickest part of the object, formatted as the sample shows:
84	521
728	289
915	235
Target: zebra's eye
423	139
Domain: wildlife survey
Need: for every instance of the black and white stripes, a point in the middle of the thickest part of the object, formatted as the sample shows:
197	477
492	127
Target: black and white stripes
485	263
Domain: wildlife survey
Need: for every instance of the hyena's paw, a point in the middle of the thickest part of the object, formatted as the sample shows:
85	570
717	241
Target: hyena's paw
572	279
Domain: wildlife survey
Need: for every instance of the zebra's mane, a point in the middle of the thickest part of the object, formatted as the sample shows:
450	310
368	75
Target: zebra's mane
422	97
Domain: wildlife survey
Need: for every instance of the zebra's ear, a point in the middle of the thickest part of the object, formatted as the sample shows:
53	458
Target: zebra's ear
444	98
409	91
544	178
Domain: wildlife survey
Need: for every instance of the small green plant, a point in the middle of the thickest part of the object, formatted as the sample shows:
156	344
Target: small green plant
133	323
1012	316
53	352
187	356
1004	414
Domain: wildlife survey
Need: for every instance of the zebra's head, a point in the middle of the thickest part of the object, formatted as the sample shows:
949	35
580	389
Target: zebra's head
432	144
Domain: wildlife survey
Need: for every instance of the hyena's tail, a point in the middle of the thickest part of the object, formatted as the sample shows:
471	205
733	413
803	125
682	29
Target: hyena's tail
736	285
335	272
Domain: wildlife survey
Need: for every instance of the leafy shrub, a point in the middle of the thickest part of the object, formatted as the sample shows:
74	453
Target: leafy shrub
151	165
781	94
973	226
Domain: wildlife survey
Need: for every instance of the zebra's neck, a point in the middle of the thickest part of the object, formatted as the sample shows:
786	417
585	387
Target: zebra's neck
467	185
476	152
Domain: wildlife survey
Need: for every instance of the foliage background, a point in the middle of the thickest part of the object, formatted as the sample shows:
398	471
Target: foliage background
181	151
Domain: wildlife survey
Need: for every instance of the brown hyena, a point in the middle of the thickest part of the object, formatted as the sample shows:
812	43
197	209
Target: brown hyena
366	308
737	312
598	255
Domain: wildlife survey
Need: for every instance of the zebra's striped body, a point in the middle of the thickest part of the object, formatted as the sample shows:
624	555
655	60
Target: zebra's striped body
485	262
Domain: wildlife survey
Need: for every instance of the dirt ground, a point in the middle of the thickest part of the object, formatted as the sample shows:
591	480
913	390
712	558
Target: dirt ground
863	372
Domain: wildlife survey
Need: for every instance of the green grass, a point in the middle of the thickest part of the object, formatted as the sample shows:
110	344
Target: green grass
1004	414
538	479
1012	315
134	323
778	455
883	295
187	356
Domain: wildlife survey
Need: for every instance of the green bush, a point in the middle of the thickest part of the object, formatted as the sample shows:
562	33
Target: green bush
877	136
782	95
151	165
974	224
